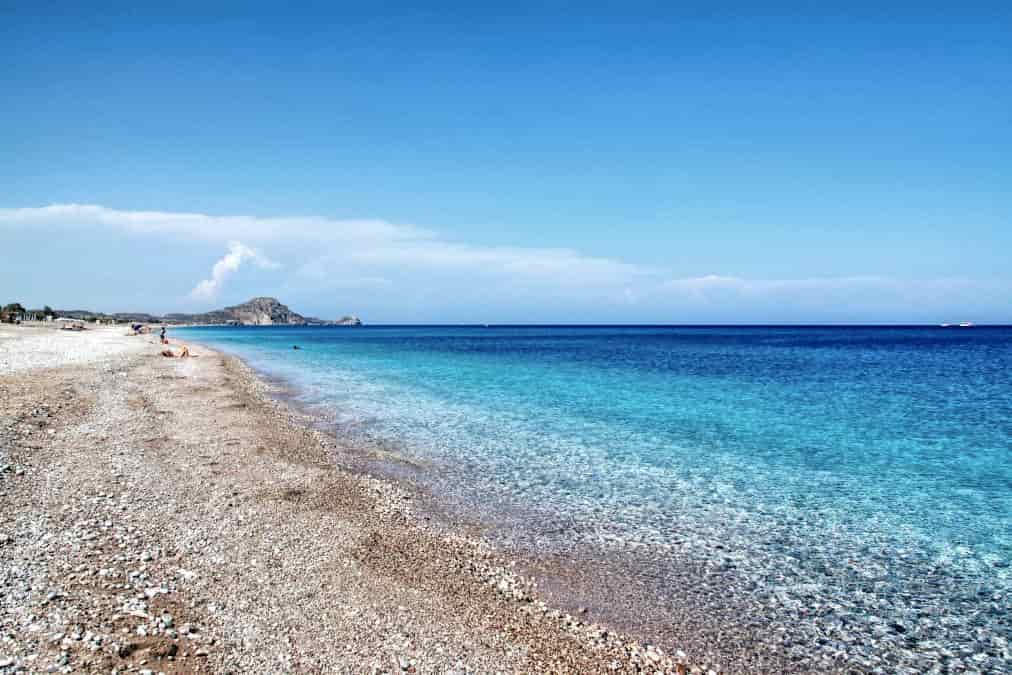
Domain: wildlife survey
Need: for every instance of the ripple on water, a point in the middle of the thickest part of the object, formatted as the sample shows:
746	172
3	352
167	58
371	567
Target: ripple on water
827	496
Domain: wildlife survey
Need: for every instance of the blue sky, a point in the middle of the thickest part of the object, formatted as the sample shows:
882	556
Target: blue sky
626	162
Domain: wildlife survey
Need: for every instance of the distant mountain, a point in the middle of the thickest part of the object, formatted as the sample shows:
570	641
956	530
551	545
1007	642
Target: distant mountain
255	312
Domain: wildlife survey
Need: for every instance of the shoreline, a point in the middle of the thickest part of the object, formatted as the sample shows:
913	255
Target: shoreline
588	584
767	599
265	479
581	587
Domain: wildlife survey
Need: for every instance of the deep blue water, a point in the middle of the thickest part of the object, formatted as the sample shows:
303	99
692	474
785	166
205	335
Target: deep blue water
869	468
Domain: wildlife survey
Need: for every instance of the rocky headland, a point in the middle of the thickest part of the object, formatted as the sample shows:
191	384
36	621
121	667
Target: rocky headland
261	311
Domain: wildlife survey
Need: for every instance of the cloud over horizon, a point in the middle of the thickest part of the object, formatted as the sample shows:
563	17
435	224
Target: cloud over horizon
228	265
406	270
325	246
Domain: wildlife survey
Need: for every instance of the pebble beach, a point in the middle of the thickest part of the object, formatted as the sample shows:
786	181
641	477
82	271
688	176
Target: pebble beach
166	515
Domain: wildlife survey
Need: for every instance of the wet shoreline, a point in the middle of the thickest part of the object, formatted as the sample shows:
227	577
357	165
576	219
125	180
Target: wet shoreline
700	594
595	585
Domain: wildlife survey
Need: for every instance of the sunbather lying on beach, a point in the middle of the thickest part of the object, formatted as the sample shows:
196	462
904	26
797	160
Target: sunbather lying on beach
185	352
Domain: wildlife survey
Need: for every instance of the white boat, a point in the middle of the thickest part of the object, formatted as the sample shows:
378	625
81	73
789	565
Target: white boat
966	324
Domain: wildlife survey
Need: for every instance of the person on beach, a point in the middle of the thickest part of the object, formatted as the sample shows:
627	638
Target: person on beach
162	336
184	353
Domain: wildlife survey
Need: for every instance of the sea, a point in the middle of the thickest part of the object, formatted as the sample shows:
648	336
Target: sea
815	499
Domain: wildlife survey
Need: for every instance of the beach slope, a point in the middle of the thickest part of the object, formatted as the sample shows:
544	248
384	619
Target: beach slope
165	514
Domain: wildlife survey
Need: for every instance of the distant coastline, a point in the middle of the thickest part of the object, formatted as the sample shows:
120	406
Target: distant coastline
260	311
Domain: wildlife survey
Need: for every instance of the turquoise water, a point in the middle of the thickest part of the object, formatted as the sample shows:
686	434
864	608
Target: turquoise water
853	484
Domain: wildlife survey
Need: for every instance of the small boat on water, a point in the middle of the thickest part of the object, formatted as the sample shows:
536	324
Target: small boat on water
966	324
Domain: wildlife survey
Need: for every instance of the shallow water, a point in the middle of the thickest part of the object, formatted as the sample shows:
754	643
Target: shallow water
852	486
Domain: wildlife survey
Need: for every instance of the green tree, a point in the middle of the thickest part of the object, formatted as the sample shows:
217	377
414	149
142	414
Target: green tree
11	311
48	311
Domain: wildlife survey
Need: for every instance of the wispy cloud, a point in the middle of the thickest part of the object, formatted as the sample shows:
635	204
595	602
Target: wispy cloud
849	298
703	285
228	265
717	284
356	246
211	227
410	270
561	266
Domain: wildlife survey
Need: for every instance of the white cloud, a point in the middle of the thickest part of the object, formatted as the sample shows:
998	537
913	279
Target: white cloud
561	266
211	228
404	267
717	284
701	286
360	247
226	267
848	298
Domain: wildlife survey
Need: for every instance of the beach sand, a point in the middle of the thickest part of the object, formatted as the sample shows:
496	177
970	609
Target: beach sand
168	515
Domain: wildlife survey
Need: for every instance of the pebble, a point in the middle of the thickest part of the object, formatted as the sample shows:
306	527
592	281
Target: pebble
116	558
